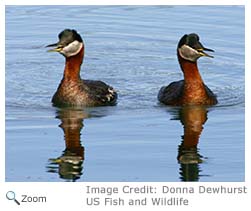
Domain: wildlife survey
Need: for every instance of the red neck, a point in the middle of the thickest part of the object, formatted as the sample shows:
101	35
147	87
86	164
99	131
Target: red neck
72	66
194	89
190	71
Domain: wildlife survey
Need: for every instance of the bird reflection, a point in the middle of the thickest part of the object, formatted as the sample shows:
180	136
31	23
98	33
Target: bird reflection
192	118
69	165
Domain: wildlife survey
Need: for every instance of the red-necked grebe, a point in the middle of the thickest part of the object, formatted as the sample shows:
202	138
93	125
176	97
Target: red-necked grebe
191	90
73	91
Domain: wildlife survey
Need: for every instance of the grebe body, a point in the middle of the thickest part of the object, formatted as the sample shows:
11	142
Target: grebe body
191	90
73	91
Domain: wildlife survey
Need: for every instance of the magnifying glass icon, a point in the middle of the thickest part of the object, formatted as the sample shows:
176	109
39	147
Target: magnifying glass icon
12	196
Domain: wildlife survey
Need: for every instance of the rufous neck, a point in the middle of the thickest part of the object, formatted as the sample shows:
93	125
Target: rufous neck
72	66
190	71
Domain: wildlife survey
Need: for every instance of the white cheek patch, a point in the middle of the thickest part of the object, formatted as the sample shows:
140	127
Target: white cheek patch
188	53
72	49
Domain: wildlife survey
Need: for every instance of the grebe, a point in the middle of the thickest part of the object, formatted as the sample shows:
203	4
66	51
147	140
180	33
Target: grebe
73	91
191	90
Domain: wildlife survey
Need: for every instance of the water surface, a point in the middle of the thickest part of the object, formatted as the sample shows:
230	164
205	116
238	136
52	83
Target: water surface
132	48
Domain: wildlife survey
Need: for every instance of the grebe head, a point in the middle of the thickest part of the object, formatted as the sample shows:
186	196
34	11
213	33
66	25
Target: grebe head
189	48
70	43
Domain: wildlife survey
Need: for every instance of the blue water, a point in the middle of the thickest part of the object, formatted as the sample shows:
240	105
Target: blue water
132	48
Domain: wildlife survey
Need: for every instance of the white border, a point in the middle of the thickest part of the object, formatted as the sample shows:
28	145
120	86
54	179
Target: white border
59	192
